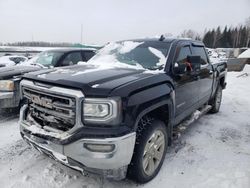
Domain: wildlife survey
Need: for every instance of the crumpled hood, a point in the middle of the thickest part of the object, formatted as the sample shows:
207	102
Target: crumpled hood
88	78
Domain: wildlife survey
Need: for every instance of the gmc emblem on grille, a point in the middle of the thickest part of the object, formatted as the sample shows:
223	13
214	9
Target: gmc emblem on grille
45	102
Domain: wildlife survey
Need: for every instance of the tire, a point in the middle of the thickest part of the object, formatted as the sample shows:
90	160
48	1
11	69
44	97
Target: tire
147	160
216	102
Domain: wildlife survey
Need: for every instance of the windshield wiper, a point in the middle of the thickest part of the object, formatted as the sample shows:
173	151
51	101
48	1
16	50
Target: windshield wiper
38	64
161	67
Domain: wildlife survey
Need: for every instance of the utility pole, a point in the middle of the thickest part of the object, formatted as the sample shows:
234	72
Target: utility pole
81	33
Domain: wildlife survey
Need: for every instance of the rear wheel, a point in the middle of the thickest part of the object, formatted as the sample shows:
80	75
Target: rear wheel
150	150
216	103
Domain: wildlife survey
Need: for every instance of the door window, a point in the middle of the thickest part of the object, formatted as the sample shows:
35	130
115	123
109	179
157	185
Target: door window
184	52
72	59
200	51
181	60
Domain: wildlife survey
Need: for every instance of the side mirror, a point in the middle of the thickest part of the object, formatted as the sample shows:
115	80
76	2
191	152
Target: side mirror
195	62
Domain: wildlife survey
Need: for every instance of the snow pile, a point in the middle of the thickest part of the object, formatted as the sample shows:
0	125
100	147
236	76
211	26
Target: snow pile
245	54
36	129
213	152
217	60
216	56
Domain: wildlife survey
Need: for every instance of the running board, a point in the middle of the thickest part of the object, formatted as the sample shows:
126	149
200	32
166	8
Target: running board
184	125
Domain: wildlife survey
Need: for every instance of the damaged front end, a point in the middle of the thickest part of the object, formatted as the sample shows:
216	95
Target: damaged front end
49	123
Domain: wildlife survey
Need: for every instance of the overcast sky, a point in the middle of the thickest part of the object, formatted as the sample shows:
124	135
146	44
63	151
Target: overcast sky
110	20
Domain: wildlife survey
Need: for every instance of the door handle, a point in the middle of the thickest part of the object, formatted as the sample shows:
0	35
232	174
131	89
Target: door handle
211	72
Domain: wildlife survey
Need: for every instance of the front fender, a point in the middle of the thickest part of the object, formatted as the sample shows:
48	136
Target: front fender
143	102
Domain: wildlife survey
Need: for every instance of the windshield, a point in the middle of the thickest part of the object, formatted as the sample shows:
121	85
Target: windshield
132	54
48	58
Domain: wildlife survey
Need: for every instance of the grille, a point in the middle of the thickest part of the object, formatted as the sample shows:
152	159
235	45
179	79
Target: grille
53	112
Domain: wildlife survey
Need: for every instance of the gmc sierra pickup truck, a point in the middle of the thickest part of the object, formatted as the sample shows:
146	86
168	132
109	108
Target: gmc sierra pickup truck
10	77
115	115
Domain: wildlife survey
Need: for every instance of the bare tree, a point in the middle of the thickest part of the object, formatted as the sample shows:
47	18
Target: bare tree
248	30
190	34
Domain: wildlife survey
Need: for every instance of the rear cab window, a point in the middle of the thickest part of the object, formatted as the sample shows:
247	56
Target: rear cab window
72	58
200	51
87	55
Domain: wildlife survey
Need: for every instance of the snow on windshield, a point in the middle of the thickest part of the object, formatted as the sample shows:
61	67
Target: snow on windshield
5	60
128	54
30	62
158	53
106	60
128	46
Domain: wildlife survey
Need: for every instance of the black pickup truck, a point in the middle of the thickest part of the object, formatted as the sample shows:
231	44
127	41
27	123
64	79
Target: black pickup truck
10	77
115	115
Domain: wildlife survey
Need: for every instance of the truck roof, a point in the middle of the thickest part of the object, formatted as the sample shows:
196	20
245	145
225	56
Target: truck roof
71	49
170	40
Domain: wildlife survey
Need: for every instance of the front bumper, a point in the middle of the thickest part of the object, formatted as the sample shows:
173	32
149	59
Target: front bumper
112	164
9	99
6	95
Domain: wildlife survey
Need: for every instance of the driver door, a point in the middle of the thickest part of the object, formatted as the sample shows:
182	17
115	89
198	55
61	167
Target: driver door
187	85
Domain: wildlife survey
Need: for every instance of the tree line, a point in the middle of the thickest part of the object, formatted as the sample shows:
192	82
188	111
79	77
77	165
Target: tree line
227	37
233	37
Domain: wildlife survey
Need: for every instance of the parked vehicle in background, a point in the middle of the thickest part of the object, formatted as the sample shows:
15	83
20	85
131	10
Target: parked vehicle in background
115	115
10	76
11	60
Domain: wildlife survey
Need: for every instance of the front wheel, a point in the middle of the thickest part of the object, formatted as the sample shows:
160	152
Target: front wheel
216	103
150	151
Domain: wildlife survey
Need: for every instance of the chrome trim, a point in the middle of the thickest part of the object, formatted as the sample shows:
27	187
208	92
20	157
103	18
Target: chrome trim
54	90
53	113
30	96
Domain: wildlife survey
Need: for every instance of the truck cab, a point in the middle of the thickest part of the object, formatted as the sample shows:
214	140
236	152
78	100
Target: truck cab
115	115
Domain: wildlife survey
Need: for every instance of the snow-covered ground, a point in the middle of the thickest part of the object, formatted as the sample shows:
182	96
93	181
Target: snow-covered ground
213	152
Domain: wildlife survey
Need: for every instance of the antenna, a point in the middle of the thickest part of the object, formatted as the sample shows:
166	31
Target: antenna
162	38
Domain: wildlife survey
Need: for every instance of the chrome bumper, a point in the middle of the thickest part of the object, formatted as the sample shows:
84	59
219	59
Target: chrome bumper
109	163
6	95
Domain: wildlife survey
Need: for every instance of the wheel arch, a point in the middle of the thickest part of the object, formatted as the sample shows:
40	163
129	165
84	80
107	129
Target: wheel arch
163	111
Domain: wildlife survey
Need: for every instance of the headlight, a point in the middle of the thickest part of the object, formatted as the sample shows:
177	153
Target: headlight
96	110
7	85
102	110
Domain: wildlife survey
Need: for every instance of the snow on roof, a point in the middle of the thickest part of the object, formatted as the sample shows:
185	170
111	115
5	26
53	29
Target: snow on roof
245	54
